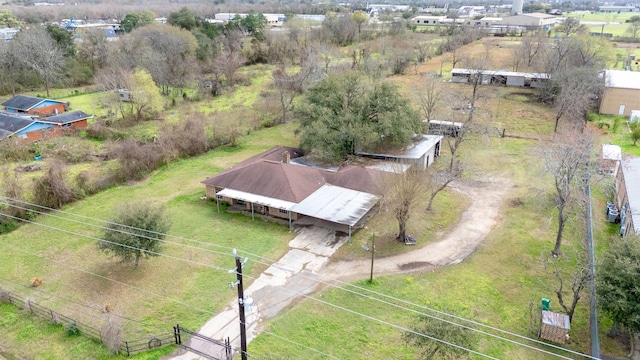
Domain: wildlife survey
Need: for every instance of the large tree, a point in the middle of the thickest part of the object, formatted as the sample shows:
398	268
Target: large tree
617	283
345	113
565	158
401	192
576	92
136	20
39	53
136	232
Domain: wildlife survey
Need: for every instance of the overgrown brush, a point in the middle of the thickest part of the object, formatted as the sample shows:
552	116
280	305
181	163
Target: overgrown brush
51	189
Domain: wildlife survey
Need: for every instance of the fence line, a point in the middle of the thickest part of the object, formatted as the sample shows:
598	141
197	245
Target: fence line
128	347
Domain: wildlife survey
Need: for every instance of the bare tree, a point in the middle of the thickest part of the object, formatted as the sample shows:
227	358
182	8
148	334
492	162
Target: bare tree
227	63
593	52
577	89
423	50
10	65
39	52
567	272
439	179
531	46
565	158
401	192
430	93
289	86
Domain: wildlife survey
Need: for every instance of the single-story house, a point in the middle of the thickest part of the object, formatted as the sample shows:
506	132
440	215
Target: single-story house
275	185
281	183
621	93
502	77
628	195
32	128
530	21
35	105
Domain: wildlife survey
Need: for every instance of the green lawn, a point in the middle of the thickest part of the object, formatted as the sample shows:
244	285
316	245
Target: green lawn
619	135
23	333
177	187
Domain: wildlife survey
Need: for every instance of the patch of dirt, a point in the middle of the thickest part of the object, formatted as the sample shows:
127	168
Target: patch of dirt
516	202
457	244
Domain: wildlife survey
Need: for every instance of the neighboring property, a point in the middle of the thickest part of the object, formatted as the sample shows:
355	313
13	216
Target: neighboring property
622	92
628	195
531	21
500	77
281	183
32	128
35	105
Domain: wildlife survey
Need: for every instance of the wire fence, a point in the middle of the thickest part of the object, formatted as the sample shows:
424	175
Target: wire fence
127	347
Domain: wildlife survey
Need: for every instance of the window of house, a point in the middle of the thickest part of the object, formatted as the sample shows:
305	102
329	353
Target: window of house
283	211
240	202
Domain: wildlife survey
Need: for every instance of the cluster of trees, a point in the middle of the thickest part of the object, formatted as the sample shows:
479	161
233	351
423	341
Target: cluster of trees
573	64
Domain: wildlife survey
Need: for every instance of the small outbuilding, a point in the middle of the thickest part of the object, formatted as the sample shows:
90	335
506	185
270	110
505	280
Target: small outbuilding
554	327
531	21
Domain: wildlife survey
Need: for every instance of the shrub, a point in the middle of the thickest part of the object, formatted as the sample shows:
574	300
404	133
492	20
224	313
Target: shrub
136	160
51	189
72	329
189	138
12	150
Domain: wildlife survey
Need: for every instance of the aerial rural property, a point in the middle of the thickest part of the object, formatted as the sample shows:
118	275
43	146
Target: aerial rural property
319	180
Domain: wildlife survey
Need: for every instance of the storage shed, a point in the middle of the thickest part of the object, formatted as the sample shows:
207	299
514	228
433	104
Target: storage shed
554	327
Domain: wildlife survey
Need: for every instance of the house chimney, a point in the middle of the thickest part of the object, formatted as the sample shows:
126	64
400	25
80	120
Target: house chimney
286	157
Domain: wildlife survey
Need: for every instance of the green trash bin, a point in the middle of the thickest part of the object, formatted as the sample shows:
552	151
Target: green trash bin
546	304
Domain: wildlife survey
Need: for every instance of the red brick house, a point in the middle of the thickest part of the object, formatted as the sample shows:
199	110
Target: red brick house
35	106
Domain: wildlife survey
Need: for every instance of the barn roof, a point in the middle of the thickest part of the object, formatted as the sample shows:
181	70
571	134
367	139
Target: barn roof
25	102
10	125
66	118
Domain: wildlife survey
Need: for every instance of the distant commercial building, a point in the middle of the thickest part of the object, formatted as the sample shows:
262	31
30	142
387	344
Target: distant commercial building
617	8
530	21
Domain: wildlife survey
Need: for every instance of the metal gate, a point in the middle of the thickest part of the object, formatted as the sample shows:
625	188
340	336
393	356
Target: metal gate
201	345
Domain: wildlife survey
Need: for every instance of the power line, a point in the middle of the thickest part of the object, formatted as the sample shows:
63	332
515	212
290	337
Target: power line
137	288
347	284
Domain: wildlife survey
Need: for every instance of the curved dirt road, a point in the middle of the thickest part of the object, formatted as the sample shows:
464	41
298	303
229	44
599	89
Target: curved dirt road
456	244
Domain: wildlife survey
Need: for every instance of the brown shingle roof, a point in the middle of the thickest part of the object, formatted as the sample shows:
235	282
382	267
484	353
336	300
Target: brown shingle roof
266	176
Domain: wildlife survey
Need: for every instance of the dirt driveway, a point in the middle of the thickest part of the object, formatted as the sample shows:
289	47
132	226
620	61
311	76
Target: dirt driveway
307	263
457	244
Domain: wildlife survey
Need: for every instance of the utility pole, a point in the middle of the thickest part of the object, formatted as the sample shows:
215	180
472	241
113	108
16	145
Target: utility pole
243	327
241	302
373	247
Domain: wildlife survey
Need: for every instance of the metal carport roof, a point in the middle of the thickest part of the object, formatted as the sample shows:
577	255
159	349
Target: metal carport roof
336	204
256	199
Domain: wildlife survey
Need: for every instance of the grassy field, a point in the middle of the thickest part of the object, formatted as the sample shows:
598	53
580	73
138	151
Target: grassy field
494	286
